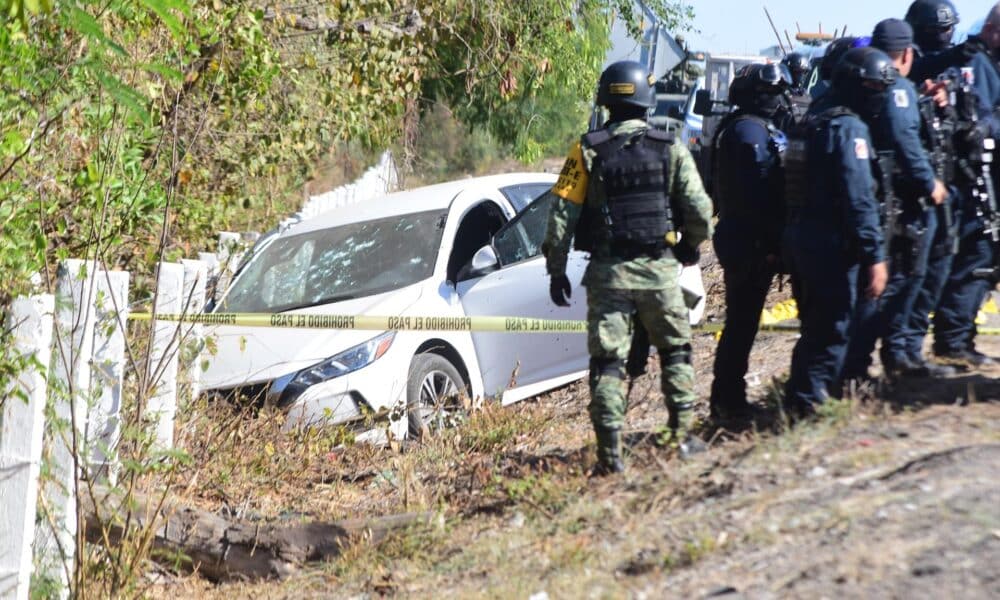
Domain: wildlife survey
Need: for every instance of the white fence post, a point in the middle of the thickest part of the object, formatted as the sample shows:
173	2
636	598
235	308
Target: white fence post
230	253
108	375
193	302
22	423
161	406
72	351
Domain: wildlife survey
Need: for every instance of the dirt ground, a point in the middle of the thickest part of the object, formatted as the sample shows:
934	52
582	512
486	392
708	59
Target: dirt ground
892	498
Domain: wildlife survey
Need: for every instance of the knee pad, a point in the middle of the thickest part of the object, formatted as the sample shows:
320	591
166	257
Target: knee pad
606	367
676	355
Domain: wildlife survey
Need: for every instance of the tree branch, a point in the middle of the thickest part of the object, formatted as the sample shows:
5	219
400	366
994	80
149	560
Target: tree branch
410	23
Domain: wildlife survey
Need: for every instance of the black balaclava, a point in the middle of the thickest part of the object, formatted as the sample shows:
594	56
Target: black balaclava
933	39
768	105
625	112
866	102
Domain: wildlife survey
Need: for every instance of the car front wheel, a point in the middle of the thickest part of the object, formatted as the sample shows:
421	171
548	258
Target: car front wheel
434	393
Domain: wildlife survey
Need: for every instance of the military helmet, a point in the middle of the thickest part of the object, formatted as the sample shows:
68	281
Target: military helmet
798	65
755	82
626	83
834	52
940	14
862	78
869	66
933	23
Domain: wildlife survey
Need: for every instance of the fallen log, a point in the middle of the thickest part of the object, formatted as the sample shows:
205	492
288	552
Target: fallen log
224	550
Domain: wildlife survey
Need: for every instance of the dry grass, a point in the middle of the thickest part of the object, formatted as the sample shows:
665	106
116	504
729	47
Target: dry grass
518	514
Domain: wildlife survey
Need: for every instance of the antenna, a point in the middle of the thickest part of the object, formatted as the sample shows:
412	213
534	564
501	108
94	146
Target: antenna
791	46
776	34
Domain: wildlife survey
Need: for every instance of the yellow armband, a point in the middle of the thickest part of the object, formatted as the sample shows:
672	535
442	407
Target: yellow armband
572	184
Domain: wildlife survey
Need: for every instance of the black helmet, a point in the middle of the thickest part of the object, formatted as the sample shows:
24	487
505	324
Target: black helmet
798	66
625	83
758	88
834	52
751	80
933	23
862	78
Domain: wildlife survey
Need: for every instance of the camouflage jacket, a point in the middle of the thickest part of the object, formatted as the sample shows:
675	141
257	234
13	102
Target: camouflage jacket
575	187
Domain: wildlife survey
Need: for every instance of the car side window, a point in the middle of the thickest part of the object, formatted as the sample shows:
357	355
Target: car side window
522	238
475	231
523	194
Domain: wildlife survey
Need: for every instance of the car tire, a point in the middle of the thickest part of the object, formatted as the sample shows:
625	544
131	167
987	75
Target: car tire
434	394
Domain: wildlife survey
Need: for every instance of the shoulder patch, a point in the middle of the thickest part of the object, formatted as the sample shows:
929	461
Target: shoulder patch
969	75
861	149
572	183
902	99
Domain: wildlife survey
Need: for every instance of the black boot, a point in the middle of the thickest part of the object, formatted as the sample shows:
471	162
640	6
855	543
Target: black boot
609	452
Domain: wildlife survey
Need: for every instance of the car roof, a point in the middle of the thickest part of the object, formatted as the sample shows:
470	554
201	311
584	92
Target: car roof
428	198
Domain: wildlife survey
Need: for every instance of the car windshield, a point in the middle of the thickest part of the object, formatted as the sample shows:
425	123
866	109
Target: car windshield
339	263
663	106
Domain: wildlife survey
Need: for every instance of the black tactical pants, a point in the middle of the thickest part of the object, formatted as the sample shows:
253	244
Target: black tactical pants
747	285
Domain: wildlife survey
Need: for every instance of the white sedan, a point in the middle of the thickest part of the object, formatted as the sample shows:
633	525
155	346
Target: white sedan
465	248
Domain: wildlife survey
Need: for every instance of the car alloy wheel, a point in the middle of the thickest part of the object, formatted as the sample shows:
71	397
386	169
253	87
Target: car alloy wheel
434	393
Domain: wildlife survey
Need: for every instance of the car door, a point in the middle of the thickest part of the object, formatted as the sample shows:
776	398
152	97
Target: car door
520	288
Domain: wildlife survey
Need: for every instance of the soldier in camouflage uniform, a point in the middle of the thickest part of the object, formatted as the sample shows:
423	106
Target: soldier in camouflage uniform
628	194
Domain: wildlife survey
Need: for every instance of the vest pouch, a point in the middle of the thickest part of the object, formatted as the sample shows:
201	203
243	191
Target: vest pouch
639	217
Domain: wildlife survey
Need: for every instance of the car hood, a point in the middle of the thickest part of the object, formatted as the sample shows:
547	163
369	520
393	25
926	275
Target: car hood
238	356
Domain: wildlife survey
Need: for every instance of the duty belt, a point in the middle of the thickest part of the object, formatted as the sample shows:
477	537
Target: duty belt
632	252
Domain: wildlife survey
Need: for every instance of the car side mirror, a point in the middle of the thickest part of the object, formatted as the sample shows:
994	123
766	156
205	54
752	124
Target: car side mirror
483	262
703	103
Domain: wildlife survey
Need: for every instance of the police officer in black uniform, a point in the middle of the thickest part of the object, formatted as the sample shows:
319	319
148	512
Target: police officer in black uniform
799	67
748	195
835	234
963	292
912	192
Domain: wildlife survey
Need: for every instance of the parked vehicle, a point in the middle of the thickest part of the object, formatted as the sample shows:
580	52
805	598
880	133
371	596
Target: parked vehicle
669	112
465	248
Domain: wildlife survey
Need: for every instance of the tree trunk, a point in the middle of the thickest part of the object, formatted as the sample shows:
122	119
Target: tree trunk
223	550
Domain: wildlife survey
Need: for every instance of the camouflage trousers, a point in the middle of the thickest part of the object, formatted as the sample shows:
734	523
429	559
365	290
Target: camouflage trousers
610	324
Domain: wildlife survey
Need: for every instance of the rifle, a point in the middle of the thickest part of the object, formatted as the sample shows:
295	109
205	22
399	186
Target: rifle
939	133
973	157
891	206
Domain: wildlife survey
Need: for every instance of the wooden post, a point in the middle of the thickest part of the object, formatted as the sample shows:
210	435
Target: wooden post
193	340
161	406
72	351
22	422
108	375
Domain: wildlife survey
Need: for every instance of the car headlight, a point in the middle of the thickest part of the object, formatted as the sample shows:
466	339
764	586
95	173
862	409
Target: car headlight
348	361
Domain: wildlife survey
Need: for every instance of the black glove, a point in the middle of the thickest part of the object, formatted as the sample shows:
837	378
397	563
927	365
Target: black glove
687	255
560	290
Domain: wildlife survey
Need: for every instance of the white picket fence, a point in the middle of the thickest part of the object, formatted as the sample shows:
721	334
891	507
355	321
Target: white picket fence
76	343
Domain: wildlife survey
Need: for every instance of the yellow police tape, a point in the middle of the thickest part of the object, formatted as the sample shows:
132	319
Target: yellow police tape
471	324
370	323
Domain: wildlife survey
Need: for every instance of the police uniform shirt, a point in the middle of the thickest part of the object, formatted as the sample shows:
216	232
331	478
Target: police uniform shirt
840	159
899	131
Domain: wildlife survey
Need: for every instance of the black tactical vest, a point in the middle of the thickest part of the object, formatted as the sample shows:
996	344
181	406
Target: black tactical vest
637	218
726	188
796	158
